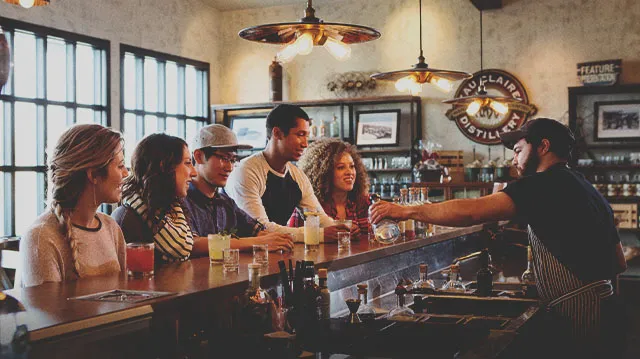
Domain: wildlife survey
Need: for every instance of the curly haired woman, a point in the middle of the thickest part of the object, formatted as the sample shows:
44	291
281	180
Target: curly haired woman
339	181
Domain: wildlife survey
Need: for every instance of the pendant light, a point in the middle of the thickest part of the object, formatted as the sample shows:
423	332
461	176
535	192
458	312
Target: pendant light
412	79
482	99
28	3
299	38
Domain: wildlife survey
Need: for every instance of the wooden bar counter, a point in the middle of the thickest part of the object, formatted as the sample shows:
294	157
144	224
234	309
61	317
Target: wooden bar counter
54	321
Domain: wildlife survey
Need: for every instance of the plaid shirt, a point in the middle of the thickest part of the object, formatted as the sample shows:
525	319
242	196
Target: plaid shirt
357	211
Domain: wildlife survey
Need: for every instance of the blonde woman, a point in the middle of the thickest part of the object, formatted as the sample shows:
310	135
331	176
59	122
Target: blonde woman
71	239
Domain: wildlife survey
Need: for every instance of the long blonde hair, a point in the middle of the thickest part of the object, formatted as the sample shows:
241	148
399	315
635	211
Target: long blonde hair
80	148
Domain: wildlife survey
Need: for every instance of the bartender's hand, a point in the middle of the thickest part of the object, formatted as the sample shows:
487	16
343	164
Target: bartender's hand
331	232
383	209
277	241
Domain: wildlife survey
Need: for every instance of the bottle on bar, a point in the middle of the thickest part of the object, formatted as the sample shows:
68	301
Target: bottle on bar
324	299
424	284
334	127
401	224
401	312
322	129
454	284
256	310
386	231
484	277
424	198
365	311
313	130
410	224
528	276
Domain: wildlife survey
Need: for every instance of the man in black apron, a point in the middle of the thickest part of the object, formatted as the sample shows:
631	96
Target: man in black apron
576	247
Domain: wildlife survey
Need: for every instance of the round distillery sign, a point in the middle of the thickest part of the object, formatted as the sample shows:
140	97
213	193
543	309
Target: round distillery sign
487	124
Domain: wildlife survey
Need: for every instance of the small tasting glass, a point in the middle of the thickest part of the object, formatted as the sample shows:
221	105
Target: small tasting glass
231	259
261	254
344	240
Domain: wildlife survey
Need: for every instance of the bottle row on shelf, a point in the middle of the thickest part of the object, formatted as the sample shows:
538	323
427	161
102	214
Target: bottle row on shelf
388	189
319	129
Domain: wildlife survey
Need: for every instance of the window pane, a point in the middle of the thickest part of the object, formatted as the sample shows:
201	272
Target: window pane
172	126
192	128
29	199
25	128
56	124
84	74
190	91
3	230
150	84
129	82
129	136
150	125
2	135
56	70
84	115
24	64
172	87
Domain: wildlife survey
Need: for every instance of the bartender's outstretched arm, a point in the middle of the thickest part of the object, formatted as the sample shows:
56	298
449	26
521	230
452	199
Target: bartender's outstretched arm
453	213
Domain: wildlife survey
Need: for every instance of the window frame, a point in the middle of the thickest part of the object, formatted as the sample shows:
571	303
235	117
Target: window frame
160	58
42	33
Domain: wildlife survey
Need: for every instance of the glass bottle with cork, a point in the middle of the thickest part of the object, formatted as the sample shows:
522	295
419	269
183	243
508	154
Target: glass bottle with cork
386	231
365	311
454	284
424	284
484	277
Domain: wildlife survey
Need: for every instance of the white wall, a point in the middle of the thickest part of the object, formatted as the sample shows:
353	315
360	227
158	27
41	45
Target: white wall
540	42
187	28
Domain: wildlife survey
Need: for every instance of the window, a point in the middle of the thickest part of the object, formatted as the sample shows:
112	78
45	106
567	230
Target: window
58	79
161	93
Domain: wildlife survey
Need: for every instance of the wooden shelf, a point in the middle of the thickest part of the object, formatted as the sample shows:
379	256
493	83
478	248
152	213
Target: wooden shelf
454	184
622	167
385	150
627	199
612	146
391	170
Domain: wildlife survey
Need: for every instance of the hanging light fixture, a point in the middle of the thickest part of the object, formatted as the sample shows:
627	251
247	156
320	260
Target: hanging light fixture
482	99
28	3
412	79
299	38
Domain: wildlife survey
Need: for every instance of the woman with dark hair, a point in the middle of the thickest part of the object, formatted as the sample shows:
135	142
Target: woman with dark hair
72	239
339	181
152	209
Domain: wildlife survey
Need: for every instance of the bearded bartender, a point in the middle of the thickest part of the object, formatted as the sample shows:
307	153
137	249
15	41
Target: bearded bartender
575	244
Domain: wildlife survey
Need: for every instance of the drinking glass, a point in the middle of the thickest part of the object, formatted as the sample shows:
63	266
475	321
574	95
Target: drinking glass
344	241
217	243
140	259
261	254
231	259
311	230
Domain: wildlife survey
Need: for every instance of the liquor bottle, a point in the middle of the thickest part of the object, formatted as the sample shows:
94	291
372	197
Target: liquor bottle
385	189
374	186
484	277
256	309
410	224
424	284
393	189
401	312
322	130
528	276
324	299
313	130
334	127
365	311
401	224
386	231
454	284
414	194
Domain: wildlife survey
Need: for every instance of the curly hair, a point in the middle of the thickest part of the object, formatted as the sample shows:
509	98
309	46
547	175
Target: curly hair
318	162
153	173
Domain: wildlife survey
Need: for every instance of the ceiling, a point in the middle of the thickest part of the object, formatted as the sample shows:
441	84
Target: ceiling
226	5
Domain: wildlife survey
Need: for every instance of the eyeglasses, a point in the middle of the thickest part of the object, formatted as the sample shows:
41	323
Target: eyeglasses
224	159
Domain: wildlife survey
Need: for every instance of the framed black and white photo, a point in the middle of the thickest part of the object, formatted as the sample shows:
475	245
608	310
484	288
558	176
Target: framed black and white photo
250	131
617	120
377	128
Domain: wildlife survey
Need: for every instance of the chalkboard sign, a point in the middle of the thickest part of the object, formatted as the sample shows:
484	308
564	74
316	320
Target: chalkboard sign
600	73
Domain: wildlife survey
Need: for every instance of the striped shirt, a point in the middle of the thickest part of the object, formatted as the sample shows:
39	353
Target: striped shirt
173	238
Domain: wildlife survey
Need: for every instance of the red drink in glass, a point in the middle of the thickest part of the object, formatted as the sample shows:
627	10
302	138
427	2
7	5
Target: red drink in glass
140	259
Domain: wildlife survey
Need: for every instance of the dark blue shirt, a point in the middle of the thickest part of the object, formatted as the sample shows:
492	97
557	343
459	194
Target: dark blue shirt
214	215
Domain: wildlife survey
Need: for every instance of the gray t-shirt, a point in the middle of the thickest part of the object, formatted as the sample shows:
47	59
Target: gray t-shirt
45	255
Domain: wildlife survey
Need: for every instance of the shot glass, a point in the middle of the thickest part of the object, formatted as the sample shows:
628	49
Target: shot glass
344	241
140	259
231	259
261	254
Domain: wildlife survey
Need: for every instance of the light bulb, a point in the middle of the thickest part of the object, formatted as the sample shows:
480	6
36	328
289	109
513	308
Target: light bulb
441	83
404	84
27	3
415	88
499	107
338	49
287	53
474	107
304	43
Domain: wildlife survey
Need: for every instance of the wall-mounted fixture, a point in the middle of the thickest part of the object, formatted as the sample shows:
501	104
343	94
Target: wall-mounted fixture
28	3
482	99
412	79
299	38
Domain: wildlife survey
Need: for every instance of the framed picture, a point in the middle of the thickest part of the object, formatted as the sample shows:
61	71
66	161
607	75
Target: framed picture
377	128
250	131
616	120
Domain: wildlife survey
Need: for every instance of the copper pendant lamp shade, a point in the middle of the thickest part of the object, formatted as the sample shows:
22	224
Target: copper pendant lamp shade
28	3
482	99
300	37
413	78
